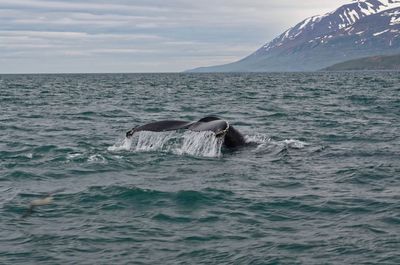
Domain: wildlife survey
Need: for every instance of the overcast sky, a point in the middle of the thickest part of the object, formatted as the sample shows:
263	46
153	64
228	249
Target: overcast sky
87	36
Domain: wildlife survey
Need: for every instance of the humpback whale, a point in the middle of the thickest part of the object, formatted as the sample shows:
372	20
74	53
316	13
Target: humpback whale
221	128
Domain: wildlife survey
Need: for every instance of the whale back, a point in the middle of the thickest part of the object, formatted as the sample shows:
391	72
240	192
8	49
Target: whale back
233	138
208	119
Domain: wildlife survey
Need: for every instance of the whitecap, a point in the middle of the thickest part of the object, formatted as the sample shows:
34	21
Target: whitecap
257	139
73	155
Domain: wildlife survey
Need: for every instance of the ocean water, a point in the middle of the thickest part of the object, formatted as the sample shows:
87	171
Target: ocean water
320	183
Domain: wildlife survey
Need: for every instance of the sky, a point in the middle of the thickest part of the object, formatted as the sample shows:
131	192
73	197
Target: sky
99	36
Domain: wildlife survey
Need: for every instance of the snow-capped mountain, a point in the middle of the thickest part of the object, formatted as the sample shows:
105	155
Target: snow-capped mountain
358	29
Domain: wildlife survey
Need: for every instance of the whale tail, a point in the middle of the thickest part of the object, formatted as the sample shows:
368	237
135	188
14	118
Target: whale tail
221	128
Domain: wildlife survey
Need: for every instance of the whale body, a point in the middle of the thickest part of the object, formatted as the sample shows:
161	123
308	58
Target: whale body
221	128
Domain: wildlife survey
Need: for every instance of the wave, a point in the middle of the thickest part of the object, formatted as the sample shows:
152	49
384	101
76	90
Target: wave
131	194
105	198
7	195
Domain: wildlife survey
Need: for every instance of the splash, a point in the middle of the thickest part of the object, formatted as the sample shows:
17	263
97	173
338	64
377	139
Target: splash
204	144
201	144
154	141
257	139
122	145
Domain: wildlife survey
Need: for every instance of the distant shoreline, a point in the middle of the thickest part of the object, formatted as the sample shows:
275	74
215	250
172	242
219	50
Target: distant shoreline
329	69
372	63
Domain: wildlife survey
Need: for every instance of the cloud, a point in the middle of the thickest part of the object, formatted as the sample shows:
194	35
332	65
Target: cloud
76	6
141	35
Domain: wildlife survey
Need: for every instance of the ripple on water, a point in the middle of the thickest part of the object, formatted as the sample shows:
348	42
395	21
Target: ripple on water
318	183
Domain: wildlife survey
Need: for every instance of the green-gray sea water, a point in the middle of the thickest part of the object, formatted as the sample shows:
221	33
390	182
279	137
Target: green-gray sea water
319	185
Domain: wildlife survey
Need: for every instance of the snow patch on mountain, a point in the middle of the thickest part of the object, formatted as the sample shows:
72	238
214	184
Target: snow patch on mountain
339	19
359	29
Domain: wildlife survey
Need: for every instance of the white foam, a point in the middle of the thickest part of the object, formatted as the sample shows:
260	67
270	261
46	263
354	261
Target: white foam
96	158
257	139
296	144
263	140
73	155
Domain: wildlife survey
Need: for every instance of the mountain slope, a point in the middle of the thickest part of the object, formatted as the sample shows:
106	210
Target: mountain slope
368	63
355	30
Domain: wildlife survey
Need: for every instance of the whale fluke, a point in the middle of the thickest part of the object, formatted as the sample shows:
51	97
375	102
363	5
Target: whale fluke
232	137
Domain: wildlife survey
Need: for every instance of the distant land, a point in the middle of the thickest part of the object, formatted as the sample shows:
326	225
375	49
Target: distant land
368	63
359	29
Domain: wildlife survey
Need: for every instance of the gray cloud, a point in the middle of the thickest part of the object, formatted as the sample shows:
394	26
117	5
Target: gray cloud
140	35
